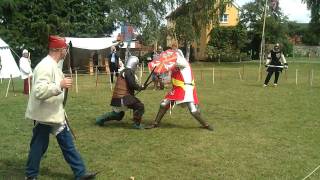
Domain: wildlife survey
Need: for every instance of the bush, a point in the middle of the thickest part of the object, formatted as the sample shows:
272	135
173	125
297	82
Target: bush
227	55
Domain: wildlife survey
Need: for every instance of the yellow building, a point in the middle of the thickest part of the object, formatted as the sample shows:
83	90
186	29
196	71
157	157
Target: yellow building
229	18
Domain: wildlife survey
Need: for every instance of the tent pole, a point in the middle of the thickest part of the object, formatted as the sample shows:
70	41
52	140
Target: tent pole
96	75
14	52
110	82
262	41
8	87
76	81
14	92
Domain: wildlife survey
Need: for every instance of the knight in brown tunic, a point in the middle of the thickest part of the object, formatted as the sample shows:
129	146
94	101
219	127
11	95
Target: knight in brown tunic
123	96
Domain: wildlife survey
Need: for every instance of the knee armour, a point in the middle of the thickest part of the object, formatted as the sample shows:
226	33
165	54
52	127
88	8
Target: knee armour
164	104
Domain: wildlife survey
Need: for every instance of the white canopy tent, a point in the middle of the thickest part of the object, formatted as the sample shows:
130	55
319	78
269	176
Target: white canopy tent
9	65
83	49
92	43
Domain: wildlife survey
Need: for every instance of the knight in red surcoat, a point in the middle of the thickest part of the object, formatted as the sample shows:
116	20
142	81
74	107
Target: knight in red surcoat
183	92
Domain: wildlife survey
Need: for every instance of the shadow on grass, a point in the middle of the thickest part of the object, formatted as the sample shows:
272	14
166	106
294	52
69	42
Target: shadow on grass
12	169
50	173
128	125
15	169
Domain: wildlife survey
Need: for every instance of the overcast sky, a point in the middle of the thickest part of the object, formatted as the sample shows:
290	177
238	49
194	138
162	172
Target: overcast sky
294	9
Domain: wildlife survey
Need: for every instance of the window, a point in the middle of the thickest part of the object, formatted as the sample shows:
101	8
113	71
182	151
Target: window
224	18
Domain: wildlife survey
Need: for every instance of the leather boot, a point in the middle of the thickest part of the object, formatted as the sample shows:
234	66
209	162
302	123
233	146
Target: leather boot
87	176
204	124
109	116
137	122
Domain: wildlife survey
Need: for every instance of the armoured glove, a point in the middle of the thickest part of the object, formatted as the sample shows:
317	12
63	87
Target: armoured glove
143	87
286	65
266	65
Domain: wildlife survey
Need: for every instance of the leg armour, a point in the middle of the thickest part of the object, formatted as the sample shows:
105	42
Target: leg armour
164	106
195	112
109	116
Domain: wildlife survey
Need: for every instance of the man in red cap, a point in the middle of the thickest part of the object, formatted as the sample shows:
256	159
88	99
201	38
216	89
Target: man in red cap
45	108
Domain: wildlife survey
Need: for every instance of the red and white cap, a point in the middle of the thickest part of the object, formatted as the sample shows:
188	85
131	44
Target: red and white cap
56	42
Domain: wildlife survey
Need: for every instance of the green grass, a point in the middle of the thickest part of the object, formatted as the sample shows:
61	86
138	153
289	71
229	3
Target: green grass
260	133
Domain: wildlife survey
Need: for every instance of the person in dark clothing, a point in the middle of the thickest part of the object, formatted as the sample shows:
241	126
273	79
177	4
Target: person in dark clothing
95	58
275	64
123	96
113	61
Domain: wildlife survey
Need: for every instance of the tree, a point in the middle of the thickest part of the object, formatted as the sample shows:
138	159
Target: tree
144	15
27	24
228	38
314	26
192	15
251	17
227	42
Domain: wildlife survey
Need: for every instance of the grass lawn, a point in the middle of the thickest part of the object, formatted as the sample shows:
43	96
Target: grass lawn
260	133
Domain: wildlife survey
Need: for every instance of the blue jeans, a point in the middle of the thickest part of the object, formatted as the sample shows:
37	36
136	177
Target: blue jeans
39	145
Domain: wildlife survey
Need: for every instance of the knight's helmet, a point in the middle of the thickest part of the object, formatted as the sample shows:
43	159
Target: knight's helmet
132	63
276	47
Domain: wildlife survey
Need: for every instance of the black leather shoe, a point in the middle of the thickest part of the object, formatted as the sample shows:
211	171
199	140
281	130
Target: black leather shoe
152	126
208	127
87	176
30	178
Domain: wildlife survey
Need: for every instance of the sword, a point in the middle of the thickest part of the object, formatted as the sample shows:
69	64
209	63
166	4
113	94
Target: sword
147	83
275	66
66	91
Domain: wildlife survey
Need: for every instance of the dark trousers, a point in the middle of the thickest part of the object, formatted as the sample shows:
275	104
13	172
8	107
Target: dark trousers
26	86
138	111
39	144
113	70
276	77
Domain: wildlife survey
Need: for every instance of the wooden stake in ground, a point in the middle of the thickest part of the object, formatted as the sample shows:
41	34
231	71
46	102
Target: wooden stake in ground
242	71
285	74
204	81
14	92
141	69
110	81
212	76
8	87
96	76
201	76
260	74
240	77
12	84
296	76
76	81
311	78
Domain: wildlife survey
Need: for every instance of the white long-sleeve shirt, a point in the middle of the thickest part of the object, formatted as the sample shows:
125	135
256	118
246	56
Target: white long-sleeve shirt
25	68
46	99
